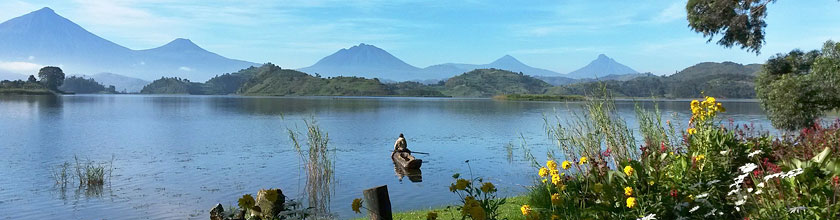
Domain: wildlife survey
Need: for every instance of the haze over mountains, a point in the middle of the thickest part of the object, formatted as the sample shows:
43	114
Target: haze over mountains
373	62
43	37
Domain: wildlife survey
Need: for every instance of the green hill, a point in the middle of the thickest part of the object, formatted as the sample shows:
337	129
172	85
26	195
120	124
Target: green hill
81	85
490	82
175	85
725	80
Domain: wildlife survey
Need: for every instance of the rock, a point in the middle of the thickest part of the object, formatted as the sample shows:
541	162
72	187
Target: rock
270	201
217	212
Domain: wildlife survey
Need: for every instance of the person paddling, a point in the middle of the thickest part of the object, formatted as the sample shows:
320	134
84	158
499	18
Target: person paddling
401	145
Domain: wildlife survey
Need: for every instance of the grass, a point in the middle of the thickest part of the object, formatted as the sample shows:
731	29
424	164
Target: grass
25	91
91	173
538	97
319	166
510	210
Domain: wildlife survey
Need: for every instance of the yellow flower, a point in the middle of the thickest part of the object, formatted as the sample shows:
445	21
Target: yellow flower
555	179
628	170
691	131
551	165
583	160
721	108
526	210
431	216
488	187
651	182
690	197
628	191
452	187
701	157
357	204
555	217
461	184
631	202
710	100
556	199
543	172
567	164
545	180
554	172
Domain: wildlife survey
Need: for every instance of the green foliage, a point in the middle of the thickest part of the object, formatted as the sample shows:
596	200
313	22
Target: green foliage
490	82
415	89
51	77
478	198
739	22
797	88
81	85
535	97
175	85
23	87
727	80
247	202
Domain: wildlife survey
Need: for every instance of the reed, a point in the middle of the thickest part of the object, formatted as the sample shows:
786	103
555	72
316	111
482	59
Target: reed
318	162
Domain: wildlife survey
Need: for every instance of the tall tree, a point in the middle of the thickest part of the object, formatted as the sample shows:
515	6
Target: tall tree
31	79
51	77
797	88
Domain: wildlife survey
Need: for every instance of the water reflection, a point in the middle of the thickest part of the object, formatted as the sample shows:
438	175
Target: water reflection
414	175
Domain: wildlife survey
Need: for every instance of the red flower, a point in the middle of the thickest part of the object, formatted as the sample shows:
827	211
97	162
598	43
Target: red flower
662	147
836	180
674	193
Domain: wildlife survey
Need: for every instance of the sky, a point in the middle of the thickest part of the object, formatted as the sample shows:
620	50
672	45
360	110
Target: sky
559	35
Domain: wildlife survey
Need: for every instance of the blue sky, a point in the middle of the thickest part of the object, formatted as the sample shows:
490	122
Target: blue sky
560	35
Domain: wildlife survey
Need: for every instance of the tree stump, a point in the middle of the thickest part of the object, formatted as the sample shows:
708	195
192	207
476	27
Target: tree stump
378	203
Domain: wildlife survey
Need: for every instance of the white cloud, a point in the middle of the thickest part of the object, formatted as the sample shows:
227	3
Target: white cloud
675	11
183	68
20	67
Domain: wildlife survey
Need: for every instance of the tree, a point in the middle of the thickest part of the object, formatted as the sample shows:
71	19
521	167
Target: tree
797	88
739	21
32	79
51	77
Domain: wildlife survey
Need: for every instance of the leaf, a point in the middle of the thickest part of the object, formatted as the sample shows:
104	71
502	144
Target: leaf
820	158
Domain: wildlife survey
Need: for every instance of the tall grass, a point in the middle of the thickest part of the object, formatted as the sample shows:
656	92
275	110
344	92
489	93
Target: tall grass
317	160
91	173
60	175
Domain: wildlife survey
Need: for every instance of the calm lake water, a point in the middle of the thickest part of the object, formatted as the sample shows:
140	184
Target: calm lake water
175	157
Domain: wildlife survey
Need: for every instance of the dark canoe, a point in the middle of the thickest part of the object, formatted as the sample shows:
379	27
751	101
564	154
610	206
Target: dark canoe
405	160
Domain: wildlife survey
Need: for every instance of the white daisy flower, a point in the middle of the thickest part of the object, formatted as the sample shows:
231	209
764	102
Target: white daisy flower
756	152
648	217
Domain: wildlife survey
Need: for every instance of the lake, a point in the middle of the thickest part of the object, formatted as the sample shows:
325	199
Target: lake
175	157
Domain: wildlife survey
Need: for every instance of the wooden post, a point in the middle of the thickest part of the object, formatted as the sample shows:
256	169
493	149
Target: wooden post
378	203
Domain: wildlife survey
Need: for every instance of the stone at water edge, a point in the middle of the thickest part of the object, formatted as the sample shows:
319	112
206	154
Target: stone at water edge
271	201
217	212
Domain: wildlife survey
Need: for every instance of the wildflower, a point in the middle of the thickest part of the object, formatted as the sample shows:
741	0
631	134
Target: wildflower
674	193
556	199
555	179
662	147
461	184
691	131
488	187
357	204
566	164
746	168
545	180
628	191
554	172
700	157
797	209
648	217
526	210
551	165
631	202
740	202
452	187
756	152
583	160
431	216
836	180
704	195
691	197
543	172
694	209
628	170
555	217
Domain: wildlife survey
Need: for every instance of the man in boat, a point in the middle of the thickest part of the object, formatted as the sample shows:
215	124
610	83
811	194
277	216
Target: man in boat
401	146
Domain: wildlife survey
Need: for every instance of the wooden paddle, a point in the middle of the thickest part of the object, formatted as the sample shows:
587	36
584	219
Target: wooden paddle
415	152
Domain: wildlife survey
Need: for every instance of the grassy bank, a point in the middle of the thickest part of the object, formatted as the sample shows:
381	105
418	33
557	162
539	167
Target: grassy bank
510	210
539	97
25	91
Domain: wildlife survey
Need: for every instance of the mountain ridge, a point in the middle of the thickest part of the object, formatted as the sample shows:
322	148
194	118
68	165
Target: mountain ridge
600	67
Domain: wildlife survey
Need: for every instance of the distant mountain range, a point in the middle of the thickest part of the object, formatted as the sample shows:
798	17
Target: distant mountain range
366	60
122	83
45	38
